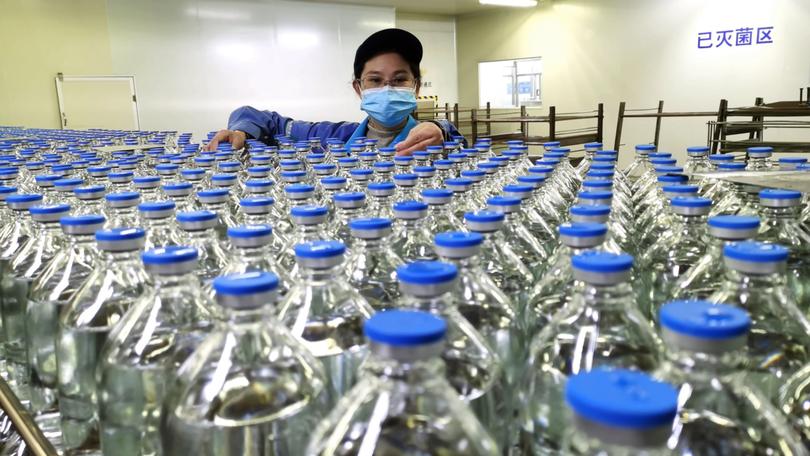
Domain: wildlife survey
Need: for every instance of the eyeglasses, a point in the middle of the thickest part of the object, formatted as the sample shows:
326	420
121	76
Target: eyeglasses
375	82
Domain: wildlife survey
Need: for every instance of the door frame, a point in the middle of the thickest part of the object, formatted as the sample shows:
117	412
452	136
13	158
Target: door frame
60	78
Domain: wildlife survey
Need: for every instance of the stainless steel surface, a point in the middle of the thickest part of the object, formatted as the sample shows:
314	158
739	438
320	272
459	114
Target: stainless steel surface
791	180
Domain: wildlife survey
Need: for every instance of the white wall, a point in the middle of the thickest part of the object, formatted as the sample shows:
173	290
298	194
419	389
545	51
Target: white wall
438	37
194	61
641	51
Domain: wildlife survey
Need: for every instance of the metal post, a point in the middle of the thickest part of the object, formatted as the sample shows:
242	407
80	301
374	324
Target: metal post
658	123
524	126
489	115
619	123
719	131
474	122
552	123
600	119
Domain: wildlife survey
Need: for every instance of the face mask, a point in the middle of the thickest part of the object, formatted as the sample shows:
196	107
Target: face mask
388	106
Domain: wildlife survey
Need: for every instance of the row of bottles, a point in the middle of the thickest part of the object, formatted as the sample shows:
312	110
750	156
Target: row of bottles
334	301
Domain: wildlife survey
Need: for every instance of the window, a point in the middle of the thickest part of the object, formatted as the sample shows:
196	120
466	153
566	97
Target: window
510	83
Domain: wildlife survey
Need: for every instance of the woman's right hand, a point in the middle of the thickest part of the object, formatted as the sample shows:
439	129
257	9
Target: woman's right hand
235	137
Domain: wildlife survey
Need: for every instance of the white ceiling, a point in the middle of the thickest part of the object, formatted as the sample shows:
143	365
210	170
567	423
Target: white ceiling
450	7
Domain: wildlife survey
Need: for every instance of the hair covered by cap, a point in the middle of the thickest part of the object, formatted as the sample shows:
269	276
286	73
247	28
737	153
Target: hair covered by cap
393	40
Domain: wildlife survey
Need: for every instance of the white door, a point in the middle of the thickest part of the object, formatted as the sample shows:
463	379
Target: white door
107	102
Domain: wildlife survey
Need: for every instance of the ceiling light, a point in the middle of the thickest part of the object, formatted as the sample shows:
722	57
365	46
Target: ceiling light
515	3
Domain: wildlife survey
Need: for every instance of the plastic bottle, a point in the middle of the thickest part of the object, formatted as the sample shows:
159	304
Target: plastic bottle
372	263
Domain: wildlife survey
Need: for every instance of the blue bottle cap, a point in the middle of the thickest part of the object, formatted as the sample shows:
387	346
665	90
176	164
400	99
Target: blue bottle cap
169	255
595	195
410	206
427	273
721	157
704	319
249	231
484	216
223	178
458	239
697	150
690	201
196	216
349	196
731	166
156	206
734	222
177	186
47	178
760	149
309	210
381	186
437	193
334	180
517	188
755	252
248	283
645	147
663	161
779	194
458	182
659	155
793	160
70	182
503	201
602	262
123	196
299	188
364	224
257	201
82	220
23	199
119	234
583	229
213	193
49	209
680	189
405	177
621	398
361	173
404	328
595	210
320	249
673	178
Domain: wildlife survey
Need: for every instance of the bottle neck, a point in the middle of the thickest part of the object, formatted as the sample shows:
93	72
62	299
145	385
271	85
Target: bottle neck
608	297
781	213
320	274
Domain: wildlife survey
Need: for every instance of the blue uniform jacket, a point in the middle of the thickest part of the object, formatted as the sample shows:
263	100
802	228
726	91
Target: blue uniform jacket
264	125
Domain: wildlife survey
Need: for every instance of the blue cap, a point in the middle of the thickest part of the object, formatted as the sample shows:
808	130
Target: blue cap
156	206
123	196
299	188
335	180
248	283
320	249
404	328
580	229
646	147
484	216
772	193
690	201
119	234
731	166
704	319
427	272
81	220
49	209
309	210
257	201
755	252
734	222
680	188
673	178
590	210
458	239
621	398
213	192
349	196
602	262
793	160
196	216
169	255
381	186
410	205
249	231
363	224
596	195
503	201
437	193
721	157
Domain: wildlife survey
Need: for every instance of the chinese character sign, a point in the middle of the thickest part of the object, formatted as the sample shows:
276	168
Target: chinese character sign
743	36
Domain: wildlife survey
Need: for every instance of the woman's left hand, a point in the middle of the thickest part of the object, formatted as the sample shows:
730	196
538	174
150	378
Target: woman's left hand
423	135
